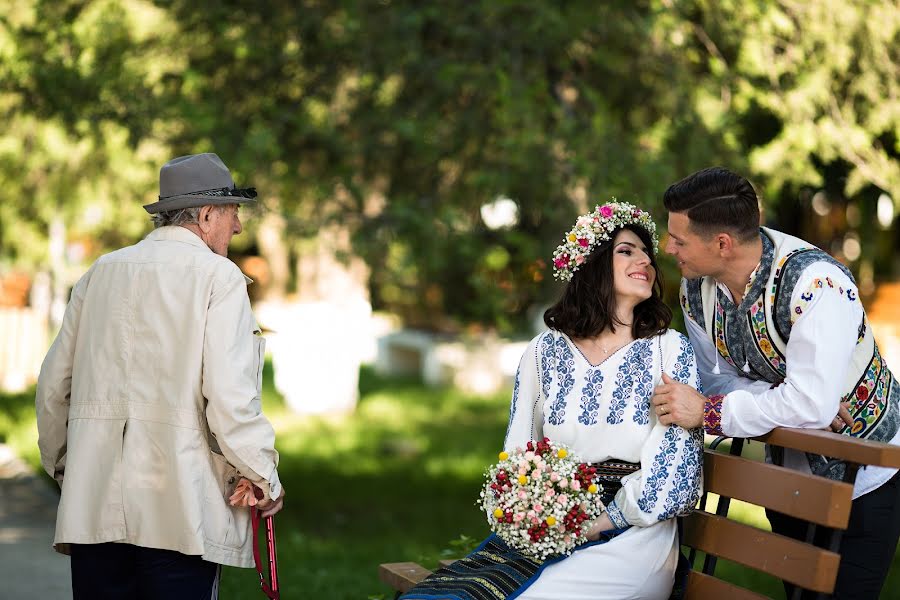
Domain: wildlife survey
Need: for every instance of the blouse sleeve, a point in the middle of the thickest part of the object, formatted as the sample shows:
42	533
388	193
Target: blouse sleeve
669	482
526	417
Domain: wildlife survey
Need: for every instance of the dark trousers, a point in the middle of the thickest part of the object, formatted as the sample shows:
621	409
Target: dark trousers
867	547
126	572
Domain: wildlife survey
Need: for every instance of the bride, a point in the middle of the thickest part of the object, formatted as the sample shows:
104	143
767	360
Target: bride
586	382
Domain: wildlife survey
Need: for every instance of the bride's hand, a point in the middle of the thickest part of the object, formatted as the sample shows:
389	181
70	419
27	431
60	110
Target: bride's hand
601	524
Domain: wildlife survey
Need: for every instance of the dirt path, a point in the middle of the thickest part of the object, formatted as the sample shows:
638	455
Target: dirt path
29	568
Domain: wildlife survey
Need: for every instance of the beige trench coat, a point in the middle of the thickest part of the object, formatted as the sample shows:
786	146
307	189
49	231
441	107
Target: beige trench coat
148	402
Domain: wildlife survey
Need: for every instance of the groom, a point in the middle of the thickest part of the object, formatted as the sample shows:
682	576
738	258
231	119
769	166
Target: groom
782	340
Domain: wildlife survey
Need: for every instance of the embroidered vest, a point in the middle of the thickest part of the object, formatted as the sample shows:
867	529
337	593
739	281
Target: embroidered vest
752	337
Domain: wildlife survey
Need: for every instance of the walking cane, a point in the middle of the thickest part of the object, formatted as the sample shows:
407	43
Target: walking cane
245	493
270	588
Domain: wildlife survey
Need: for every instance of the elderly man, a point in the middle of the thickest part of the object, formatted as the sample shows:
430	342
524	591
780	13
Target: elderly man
148	402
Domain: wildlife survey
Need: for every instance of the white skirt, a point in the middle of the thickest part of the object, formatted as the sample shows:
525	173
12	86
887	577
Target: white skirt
639	563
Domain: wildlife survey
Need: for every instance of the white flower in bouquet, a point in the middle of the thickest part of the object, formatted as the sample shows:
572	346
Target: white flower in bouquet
541	500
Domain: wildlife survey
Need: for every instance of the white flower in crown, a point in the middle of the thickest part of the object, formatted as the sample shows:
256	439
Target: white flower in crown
595	228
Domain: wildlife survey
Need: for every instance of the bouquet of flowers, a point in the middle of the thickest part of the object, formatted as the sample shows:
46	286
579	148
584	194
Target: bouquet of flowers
541	500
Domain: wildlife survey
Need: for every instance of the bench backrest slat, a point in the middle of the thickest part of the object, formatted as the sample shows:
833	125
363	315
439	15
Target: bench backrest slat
798	563
850	449
705	587
807	497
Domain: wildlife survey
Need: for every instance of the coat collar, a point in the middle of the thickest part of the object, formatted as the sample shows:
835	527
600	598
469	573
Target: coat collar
176	233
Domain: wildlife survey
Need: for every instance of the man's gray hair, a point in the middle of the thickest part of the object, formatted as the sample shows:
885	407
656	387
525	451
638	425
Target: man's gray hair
183	216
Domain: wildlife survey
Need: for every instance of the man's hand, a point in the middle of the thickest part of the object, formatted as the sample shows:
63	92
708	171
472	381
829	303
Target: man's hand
843	418
601	524
269	507
678	404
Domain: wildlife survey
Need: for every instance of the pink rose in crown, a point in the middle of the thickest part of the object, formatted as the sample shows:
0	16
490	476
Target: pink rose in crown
561	261
579	259
583	242
606	210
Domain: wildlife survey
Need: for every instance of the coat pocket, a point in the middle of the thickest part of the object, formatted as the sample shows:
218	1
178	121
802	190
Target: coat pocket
218	515
225	476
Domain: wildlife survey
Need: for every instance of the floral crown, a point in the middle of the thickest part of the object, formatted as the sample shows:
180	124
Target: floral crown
593	229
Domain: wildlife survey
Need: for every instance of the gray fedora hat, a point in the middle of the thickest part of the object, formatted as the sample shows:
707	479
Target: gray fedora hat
197	180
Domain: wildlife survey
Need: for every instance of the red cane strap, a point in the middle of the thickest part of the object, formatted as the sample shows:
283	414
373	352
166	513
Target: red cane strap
266	588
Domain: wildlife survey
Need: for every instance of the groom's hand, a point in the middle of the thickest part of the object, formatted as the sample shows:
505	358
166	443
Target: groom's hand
679	404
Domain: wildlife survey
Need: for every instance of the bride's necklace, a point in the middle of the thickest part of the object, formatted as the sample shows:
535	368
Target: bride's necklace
610	349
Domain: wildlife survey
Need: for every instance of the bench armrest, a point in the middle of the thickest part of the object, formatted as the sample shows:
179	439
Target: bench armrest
833	445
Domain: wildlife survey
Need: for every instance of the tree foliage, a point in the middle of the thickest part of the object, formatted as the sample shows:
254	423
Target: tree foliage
397	120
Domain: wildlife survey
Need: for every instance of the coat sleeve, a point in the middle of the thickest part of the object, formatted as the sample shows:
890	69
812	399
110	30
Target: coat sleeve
670	481
526	417
231	370
54	387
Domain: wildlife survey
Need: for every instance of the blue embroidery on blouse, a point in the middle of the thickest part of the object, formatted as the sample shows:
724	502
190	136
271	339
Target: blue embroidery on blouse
590	395
632	365
685	489
615	515
565	365
681	372
659	471
546	362
643	388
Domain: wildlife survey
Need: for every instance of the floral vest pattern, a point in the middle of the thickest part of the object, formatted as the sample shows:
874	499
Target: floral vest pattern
752	337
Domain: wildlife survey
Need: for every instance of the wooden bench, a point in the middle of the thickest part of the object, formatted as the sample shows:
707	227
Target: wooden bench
822	503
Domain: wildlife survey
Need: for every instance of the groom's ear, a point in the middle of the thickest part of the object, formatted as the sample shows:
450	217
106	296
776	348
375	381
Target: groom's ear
725	243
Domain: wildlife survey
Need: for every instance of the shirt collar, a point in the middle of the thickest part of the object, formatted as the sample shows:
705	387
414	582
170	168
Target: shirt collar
760	275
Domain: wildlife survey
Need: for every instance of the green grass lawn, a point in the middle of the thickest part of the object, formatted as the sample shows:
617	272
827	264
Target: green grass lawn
395	481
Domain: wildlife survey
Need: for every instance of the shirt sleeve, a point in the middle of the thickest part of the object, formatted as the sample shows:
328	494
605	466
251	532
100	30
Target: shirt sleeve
670	480
526	417
231	369
54	387
826	315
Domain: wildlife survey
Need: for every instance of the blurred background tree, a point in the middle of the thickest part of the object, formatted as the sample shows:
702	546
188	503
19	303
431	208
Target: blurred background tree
398	132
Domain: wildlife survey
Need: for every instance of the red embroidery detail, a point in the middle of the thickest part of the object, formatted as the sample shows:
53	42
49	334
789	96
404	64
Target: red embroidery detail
712	415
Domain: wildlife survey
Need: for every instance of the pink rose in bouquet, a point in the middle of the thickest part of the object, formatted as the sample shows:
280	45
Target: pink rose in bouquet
541	500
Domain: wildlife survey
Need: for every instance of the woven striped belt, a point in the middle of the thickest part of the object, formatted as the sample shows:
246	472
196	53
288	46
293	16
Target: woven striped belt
610	474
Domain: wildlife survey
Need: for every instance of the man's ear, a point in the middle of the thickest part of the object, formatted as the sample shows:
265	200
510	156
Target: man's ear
725	243
205	219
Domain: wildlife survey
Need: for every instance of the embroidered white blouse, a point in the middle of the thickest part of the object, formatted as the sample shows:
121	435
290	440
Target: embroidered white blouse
603	412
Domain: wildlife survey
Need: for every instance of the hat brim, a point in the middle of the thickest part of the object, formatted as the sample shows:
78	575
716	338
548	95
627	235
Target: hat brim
189	201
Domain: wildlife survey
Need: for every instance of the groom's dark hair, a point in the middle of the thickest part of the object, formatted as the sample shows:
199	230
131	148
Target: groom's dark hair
588	303
716	200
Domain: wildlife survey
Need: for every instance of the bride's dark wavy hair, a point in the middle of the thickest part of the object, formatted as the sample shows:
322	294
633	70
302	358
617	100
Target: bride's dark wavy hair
588	303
